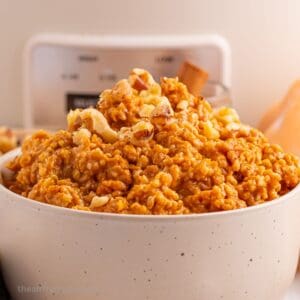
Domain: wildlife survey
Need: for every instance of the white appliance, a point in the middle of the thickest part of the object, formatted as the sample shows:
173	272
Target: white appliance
63	72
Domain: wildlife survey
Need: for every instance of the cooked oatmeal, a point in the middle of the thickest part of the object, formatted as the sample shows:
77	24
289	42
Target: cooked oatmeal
153	148
8	140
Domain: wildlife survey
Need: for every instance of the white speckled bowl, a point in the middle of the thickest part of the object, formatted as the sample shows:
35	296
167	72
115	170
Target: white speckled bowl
49	252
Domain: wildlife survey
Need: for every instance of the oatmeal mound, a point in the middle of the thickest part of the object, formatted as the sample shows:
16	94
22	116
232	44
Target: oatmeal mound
151	148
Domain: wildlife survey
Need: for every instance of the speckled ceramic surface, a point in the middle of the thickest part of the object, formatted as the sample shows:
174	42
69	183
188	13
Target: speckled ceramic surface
50	252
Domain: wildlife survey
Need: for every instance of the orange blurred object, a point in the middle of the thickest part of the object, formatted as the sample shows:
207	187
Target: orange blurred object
281	123
193	77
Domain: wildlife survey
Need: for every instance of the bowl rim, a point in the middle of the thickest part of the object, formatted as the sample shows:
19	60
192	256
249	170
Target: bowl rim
34	204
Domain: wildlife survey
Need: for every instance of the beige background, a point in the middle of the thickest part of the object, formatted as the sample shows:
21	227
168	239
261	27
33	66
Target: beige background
264	36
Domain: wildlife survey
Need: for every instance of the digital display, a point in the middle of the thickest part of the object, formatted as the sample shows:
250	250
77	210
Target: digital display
81	101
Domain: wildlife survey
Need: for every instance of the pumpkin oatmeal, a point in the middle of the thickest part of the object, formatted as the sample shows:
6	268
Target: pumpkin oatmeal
152	148
8	140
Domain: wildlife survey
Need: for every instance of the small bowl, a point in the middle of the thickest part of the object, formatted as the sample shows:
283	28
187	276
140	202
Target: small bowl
50	252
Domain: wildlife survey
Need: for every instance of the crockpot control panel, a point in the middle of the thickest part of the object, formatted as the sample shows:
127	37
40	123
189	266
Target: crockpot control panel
63	72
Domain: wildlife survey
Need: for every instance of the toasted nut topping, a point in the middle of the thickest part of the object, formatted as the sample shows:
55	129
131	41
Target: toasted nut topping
164	109
146	110
99	124
73	119
81	136
99	201
143	130
124	133
138	71
121	89
94	121
145	76
139	84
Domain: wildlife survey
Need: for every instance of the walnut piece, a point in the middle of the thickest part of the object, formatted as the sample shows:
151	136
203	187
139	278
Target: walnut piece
94	121
143	130
99	201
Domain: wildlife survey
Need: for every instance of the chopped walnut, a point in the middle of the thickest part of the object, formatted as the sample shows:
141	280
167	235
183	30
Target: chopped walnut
81	137
99	201
145	76
94	121
146	110
142	130
121	90
139	84
163	109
